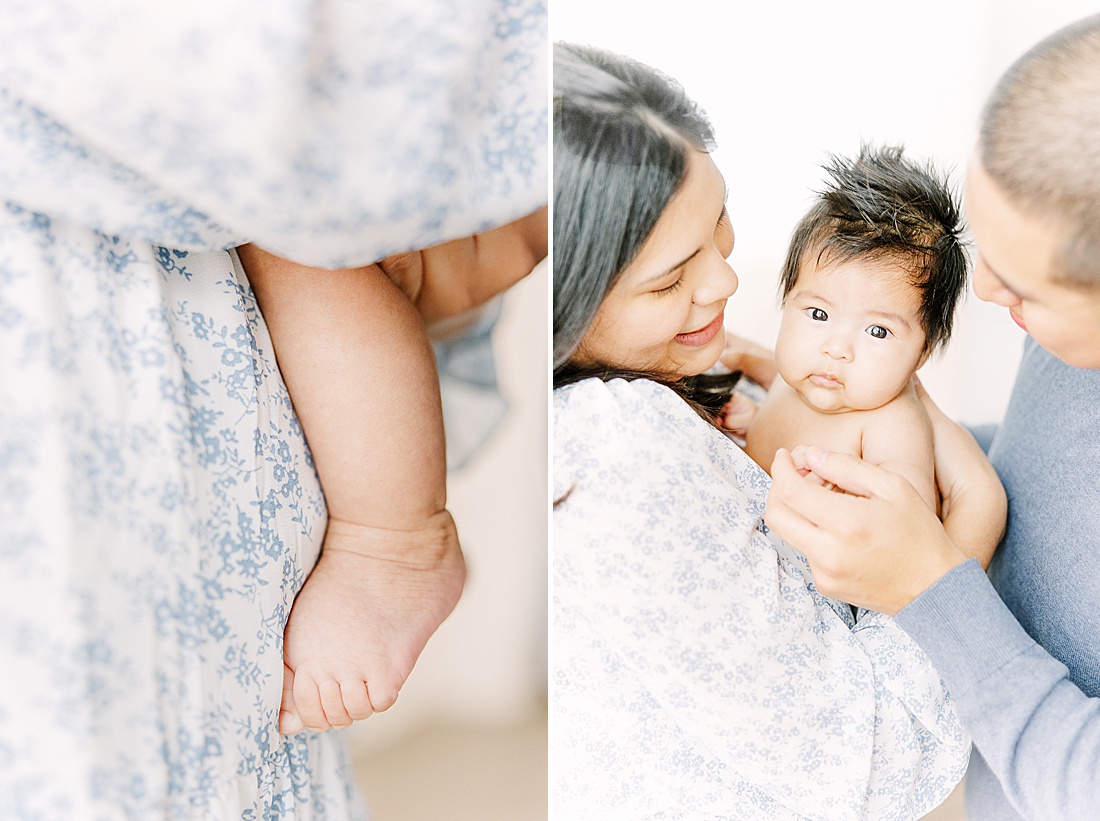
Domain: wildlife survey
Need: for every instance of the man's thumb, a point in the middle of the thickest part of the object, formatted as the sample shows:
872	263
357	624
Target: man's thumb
843	470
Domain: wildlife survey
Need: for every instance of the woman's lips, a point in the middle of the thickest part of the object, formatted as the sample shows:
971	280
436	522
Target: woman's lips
1019	320
704	335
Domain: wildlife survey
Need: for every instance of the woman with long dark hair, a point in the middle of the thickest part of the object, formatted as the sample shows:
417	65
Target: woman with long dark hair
697	672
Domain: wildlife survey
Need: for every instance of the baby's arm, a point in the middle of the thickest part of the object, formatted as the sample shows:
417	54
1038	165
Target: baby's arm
898	437
357	362
967	482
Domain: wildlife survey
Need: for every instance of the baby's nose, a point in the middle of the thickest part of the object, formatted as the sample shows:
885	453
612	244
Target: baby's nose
837	347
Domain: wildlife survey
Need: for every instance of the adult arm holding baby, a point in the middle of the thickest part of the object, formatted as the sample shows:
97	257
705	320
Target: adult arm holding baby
1036	729
868	531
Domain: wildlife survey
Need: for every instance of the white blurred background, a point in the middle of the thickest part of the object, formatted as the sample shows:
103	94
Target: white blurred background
785	83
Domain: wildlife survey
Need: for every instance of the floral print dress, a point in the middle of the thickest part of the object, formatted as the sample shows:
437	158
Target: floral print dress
697	673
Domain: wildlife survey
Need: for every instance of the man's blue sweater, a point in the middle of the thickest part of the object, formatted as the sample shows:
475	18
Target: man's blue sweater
1024	666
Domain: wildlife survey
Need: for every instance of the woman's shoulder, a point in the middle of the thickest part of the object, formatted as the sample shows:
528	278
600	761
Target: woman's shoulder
633	425
595	397
625	410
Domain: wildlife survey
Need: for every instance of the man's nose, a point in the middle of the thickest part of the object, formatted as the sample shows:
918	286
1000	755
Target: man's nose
990	289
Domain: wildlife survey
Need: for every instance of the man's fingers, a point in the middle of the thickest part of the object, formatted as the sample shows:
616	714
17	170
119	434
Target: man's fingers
789	522
846	472
808	499
800	498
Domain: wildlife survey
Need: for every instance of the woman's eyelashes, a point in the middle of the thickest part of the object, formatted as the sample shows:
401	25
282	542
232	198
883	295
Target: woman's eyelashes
723	234
670	288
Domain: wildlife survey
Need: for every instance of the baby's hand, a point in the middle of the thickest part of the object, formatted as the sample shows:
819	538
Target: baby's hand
362	618
737	415
802	465
755	361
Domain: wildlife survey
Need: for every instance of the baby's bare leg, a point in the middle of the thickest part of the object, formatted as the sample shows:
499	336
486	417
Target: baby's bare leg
356	359
354	353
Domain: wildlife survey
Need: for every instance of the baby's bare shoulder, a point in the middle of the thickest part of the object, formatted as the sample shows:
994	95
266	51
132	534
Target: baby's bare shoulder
903	413
898	437
898	432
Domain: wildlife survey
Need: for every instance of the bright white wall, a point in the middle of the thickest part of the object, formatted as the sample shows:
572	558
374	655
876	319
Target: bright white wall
785	83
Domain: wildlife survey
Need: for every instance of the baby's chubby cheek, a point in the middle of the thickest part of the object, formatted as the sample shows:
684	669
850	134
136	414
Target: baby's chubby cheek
787	361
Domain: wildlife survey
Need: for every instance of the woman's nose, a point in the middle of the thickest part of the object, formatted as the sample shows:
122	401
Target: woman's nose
721	283
990	289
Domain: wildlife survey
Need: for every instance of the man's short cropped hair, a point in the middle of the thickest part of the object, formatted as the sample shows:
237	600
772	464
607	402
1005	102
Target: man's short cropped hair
1040	143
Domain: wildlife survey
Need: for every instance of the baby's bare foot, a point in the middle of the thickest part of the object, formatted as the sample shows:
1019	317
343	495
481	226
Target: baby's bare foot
362	618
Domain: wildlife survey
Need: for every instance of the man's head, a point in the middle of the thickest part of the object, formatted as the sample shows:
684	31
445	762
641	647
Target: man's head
1033	194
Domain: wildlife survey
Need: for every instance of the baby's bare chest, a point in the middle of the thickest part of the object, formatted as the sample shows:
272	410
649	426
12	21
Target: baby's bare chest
784	421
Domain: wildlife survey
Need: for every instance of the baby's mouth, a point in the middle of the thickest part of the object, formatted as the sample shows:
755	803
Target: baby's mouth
825	380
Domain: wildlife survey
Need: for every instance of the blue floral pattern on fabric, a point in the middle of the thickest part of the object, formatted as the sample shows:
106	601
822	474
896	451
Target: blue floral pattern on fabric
697	671
163	514
333	133
159	509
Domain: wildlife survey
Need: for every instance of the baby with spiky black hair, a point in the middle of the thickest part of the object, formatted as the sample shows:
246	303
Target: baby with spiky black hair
869	287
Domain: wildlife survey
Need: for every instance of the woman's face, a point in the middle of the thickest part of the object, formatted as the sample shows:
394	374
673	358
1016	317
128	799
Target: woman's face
664	314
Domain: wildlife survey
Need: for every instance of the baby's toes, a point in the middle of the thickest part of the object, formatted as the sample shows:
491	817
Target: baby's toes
382	696
332	702
356	700
289	721
307	699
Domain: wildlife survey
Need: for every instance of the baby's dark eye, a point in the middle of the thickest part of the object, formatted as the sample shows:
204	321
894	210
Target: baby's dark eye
818	315
878	332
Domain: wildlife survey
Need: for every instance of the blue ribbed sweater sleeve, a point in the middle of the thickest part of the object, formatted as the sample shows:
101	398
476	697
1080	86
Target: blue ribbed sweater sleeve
1039	733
